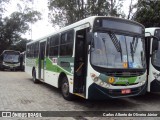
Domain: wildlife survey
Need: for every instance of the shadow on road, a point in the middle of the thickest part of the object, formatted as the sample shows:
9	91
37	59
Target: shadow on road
148	97
111	104
47	86
116	104
8	70
120	104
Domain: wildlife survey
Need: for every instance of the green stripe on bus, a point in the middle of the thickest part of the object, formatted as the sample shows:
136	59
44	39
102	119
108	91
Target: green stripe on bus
118	80
55	68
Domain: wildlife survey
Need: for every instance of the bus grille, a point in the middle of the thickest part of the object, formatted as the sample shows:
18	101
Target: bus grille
124	84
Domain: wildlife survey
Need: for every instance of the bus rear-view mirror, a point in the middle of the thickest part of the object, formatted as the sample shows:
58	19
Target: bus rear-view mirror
155	44
147	34
89	37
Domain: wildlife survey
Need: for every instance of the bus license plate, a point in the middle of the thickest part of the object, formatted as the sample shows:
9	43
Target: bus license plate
125	91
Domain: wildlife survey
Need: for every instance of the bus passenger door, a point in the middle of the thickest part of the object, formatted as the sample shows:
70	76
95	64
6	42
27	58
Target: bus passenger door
41	61
80	62
147	53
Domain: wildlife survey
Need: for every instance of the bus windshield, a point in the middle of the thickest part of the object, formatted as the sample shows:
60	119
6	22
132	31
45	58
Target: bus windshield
110	50
11	57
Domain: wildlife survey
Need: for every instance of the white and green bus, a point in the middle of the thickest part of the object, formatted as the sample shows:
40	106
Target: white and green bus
95	58
153	59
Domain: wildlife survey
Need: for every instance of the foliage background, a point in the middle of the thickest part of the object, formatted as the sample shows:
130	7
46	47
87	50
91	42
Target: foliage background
65	12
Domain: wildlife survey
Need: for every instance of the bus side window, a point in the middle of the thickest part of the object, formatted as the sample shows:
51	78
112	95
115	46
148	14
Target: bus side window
66	44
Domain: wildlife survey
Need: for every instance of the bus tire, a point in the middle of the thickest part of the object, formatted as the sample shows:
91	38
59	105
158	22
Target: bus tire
65	90
35	80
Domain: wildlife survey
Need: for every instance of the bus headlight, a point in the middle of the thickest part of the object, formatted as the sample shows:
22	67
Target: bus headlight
18	64
156	75
101	83
142	82
107	85
98	81
95	79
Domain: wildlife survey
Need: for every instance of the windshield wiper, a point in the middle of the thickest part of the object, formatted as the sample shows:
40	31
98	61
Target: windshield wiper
133	47
116	43
132	52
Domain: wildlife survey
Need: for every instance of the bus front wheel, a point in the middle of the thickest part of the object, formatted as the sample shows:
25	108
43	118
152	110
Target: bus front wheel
35	80
65	90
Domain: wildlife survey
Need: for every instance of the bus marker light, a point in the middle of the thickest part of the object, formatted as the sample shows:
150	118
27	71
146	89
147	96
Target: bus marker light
111	80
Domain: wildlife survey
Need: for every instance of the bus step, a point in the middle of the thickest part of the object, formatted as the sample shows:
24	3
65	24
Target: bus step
79	90
80	94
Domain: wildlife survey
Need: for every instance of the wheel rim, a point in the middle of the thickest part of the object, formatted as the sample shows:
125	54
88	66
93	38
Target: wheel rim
65	89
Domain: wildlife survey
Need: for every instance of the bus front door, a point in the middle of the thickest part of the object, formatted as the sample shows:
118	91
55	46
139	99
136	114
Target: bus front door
80	62
42	60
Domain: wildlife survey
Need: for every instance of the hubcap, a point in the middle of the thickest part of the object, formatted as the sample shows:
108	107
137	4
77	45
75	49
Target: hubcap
65	89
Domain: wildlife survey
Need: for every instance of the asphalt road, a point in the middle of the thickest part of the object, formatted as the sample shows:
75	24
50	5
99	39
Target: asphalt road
19	93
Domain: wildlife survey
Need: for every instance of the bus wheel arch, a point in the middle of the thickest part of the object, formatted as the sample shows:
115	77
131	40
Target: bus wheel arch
61	76
63	84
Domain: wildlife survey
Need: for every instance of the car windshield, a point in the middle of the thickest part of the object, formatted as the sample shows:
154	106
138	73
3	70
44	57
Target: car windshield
111	50
11	58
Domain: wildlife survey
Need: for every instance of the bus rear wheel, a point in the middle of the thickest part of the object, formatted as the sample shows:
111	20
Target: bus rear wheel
65	90
35	80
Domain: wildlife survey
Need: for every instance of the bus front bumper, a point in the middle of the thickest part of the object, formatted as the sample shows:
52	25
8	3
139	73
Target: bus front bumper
10	67
96	92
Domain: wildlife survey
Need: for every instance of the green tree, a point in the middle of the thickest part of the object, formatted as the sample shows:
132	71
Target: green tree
2	8
148	13
20	45
13	26
65	12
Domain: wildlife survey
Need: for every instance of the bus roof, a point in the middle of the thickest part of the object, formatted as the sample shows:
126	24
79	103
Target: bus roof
89	20
10	51
151	29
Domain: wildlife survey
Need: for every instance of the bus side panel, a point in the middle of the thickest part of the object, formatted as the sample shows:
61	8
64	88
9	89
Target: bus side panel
53	70
89	81
51	78
28	70
29	64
